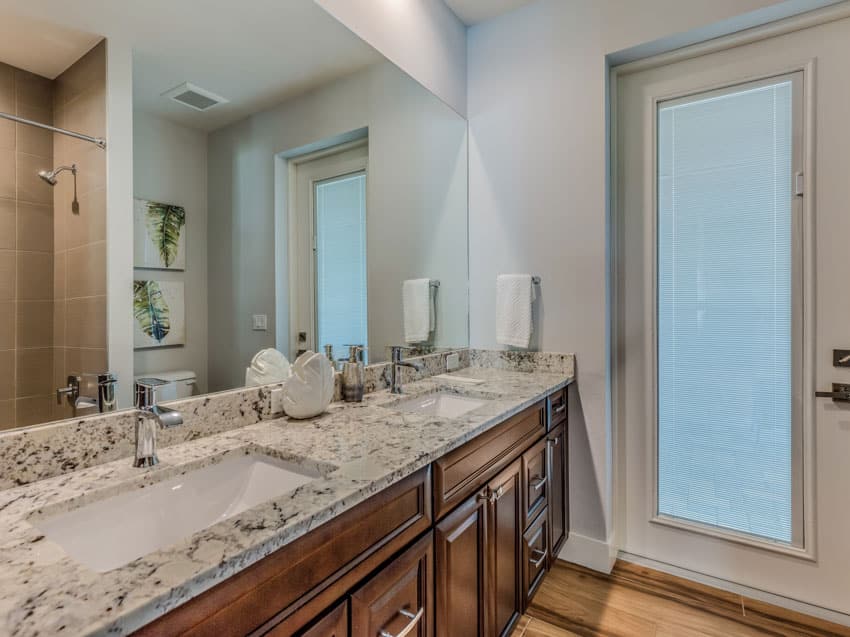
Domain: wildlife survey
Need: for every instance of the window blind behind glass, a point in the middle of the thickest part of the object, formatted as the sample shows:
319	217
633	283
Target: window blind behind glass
725	310
341	262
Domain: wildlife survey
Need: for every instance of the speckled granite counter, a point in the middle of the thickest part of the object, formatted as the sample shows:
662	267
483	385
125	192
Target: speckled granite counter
359	449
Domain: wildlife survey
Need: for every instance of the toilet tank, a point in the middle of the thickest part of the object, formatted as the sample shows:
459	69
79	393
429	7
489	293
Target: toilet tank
181	384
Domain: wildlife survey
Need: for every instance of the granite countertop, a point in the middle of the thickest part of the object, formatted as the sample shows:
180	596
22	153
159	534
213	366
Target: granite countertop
360	449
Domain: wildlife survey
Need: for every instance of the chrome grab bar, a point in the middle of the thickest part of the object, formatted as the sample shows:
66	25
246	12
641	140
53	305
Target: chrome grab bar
414	620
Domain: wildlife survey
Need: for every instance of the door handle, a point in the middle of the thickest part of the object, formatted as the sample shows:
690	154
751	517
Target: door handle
840	393
414	619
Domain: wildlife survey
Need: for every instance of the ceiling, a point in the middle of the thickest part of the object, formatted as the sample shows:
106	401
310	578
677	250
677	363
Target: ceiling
472	12
255	54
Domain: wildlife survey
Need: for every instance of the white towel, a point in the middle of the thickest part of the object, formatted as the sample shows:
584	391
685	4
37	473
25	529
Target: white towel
514	296
418	308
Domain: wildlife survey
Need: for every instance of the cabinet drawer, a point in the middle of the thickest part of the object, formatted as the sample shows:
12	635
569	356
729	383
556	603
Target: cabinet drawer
461	472
535	478
334	623
558	499
399	599
557	408
535	556
317	568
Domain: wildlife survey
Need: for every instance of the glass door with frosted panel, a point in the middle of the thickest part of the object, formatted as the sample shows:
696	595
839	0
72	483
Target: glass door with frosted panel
340	261
727	310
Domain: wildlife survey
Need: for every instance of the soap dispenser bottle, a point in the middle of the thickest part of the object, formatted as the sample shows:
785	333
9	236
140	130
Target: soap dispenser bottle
353	375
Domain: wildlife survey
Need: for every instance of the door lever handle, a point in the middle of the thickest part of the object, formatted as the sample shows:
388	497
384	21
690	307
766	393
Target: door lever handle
840	393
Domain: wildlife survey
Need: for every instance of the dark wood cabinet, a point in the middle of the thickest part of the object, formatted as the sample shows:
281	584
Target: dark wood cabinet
505	523
460	551
456	549
399	599
556	451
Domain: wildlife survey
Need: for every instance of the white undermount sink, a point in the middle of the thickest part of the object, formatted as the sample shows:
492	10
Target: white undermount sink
115	531
442	404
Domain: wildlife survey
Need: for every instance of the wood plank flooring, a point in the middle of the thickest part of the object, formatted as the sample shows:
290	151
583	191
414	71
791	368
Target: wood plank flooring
635	601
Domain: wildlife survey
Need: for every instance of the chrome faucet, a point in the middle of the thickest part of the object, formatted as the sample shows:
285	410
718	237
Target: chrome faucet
89	393
150	416
396	363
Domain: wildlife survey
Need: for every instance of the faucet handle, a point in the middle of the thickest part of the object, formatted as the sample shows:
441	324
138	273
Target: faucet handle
145	391
71	390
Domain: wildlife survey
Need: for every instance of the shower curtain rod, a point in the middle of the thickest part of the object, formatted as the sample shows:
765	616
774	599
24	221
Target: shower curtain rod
99	141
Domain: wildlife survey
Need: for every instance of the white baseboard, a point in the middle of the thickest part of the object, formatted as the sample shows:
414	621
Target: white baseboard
725	585
591	553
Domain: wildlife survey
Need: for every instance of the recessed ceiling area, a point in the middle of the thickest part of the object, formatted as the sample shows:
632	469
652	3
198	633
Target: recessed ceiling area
255	54
472	12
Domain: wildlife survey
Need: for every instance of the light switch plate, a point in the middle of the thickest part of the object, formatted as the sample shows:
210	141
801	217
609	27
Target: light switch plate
452	362
277	401
261	322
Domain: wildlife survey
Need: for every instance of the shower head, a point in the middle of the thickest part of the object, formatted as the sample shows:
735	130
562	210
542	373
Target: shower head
49	176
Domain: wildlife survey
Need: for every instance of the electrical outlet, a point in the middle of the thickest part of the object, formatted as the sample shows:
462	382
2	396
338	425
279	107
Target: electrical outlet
261	322
452	362
277	401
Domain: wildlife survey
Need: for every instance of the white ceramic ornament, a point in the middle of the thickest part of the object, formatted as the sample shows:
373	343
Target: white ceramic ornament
310	388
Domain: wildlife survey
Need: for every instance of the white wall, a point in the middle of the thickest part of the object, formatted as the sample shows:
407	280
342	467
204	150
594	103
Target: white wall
537	120
170	165
416	209
422	37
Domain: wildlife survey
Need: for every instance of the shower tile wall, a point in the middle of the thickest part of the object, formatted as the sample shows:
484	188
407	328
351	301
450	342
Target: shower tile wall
26	252
79	270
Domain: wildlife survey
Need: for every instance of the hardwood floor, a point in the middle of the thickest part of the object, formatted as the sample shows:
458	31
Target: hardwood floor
635	601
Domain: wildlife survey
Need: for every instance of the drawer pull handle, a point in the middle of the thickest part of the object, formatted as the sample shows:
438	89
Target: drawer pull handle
498	493
538	483
560	409
414	620
537	561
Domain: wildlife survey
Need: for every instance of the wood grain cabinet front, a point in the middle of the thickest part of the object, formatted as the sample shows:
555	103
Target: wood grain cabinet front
535	471
505	522
556	449
334	623
557	403
535	556
398	601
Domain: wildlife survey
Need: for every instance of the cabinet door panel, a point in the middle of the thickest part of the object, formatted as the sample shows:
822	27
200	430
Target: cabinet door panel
505	518
333	624
558	494
399	598
535	558
460	542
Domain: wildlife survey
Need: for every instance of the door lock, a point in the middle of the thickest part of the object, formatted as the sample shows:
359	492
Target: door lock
840	393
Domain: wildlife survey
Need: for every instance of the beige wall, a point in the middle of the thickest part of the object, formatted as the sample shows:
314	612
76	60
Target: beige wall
26	251
80	239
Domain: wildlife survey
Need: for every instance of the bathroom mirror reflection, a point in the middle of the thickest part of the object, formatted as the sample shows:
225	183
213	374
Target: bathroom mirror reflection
296	193
308	194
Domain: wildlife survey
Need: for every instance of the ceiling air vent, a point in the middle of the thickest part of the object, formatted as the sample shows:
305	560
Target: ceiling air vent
194	97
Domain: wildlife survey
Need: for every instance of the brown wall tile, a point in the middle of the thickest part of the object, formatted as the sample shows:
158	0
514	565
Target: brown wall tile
8	215
35	227
8	267
35	276
7	374
35	324
86	269
7	134
58	323
85	322
33	410
33	140
32	90
7	324
85	72
8	189
59	287
88	226
7	88
7	414
30	187
79	361
34	372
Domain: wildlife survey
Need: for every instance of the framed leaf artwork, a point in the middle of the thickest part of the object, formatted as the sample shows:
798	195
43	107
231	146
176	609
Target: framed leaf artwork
159	314
159	235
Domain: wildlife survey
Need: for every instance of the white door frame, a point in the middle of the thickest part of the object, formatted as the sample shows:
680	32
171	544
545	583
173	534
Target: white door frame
348	158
